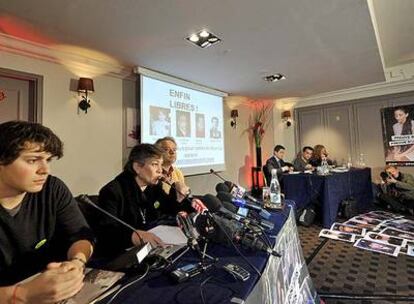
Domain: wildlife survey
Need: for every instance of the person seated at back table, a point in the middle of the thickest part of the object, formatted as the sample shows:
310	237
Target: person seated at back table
42	230
171	173
136	197
319	153
276	162
301	162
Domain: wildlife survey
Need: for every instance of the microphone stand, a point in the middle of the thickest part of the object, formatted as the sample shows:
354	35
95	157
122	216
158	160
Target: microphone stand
203	254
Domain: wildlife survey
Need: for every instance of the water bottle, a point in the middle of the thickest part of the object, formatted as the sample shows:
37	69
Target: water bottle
324	167
275	198
349	164
361	160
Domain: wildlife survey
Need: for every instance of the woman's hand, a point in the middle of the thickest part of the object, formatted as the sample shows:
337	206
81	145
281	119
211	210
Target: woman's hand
147	237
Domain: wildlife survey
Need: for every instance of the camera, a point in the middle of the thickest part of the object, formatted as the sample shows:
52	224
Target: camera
384	176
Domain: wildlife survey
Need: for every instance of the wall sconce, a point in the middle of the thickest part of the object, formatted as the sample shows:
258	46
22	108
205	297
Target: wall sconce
85	85
234	114
287	118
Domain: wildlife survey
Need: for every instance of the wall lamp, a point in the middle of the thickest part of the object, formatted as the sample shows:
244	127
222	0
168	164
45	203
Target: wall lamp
234	114
287	118
85	85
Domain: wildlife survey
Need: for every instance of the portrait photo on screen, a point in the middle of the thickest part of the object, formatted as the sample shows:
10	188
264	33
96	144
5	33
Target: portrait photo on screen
183	124
214	129
200	125
160	121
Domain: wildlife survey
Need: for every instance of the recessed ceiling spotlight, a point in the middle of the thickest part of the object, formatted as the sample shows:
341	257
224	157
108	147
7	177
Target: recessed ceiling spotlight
204	34
203	39
274	77
194	38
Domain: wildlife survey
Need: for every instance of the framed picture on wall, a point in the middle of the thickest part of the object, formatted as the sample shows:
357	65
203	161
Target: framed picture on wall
132	132
398	135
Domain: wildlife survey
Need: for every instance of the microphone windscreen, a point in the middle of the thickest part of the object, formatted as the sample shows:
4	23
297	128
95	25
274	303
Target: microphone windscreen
224	196
229	185
229	206
226	201
222	187
212	203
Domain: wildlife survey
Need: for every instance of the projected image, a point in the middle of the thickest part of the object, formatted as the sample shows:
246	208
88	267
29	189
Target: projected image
200	125
160	121
183	124
214	130
193	117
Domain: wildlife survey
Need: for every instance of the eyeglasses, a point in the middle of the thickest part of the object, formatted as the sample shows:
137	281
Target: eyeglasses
169	150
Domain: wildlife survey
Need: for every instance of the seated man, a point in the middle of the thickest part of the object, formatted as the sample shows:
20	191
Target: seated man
41	227
301	163
136	197
171	173
276	162
397	190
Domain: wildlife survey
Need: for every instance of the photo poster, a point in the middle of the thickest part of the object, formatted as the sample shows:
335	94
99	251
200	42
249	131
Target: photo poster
398	135
193	118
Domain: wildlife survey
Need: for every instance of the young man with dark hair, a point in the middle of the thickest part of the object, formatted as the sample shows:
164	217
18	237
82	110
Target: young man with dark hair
301	163
41	227
136	196
276	162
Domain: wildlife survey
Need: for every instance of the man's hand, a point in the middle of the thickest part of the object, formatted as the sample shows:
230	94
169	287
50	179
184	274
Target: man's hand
147	237
60	281
285	168
182	191
309	167
391	180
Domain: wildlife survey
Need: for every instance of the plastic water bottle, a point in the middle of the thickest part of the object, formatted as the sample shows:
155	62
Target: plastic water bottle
349	164
361	160
275	197
324	167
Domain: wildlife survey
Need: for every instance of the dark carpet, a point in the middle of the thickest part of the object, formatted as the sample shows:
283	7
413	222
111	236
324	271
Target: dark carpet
341	269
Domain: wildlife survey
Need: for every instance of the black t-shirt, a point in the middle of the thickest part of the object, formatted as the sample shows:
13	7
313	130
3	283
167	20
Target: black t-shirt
42	231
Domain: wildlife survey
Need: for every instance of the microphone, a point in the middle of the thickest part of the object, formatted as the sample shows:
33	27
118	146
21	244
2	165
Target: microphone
188	197
239	202
236	190
222	187
186	225
226	201
146	247
230	226
251	241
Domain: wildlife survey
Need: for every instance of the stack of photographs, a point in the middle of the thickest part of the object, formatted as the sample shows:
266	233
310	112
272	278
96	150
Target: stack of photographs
377	231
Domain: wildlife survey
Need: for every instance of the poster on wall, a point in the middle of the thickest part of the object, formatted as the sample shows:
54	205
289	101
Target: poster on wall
398	135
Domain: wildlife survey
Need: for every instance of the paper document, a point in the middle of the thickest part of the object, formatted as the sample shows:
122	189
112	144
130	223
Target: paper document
170	234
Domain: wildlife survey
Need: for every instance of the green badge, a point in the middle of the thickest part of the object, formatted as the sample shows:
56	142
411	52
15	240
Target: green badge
157	204
40	244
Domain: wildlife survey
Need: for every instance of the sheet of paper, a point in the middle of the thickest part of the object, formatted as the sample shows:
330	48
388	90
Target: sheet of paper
170	234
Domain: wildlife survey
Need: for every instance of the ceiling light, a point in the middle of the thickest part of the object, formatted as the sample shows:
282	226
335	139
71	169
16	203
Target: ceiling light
203	39
194	38
274	77
204	34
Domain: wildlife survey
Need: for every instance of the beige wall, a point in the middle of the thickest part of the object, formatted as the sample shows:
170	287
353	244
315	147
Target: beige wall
93	141
282	134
